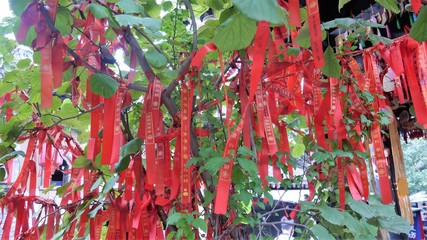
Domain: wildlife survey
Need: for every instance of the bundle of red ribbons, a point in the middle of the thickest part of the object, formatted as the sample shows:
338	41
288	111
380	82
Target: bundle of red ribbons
272	85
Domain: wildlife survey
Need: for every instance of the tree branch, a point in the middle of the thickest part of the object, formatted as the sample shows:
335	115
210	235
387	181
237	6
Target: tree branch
69	50
181	72
193	23
130	39
186	63
136	87
75	116
125	121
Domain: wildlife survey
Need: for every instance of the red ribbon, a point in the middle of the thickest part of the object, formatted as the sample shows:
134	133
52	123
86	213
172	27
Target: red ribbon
315	33
223	187
108	129
294	13
415	89
381	163
186	113
416	4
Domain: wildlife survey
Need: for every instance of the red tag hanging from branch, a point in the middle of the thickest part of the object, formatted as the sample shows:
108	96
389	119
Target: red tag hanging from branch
186	107
381	163
294	13
416	4
260	46
315	33
108	130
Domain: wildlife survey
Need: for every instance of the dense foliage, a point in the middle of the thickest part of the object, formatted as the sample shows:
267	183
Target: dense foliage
415	164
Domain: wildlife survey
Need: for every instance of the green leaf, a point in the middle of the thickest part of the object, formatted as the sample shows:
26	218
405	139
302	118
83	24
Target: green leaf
152	8
110	184
169	74
214	164
238	176
341	153
347	23
341	4
395	224
303	39
122	164
389	5
361	208
11	155
200	224
321	156
321	233
419	30
99	11
167	6
383	210
366	23
271	179
332	215
103	85
248	165
2	173
95	184
236	33
267	10
217	5
51	186
61	190
24	63
81	162
93	213
156	59
152	24
332	66
64	21
170	235
67	109
363	155
291	51
245	151
6	87
125	20
355	227
298	150
18	7
102	12
59	235
131	147
130	6
173	218
375	39
110	34
226	14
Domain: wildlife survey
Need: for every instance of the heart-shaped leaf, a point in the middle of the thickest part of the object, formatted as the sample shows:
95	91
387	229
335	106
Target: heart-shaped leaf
419	29
266	10
103	85
389	5
236	33
332	66
156	59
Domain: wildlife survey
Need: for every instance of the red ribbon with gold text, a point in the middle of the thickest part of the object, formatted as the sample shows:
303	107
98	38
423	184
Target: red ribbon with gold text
315	33
223	187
